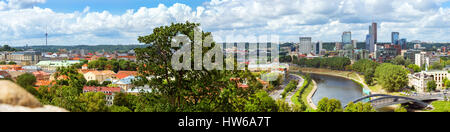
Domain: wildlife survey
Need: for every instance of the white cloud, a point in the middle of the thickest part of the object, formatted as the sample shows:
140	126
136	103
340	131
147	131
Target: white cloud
21	22
18	4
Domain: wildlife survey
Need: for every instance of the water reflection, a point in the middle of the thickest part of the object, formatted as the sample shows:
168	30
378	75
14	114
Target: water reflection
339	88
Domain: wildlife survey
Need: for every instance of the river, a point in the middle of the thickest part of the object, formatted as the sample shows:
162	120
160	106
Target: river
339	88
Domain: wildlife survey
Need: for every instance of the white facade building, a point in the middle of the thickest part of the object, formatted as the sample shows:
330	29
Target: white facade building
306	46
422	60
420	80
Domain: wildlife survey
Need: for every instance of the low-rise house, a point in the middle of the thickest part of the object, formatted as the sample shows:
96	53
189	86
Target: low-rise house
100	76
124	74
110	92
125	83
11	67
40	83
41	75
53	65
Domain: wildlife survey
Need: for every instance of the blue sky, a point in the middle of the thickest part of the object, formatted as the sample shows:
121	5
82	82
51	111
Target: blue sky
26	21
113	6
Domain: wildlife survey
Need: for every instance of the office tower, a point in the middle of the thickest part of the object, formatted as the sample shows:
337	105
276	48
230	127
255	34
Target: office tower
318	48
373	37
402	42
306	46
395	38
346	37
368	42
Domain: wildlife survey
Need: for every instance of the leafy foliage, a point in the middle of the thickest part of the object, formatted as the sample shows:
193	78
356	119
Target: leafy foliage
329	105
391	77
359	107
334	63
431	86
290	87
26	80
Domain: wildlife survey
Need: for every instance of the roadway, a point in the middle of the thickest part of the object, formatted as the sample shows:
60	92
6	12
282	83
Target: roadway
276	94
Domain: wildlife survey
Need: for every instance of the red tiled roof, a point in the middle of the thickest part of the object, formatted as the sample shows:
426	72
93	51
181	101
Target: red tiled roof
124	74
101	89
244	86
43	83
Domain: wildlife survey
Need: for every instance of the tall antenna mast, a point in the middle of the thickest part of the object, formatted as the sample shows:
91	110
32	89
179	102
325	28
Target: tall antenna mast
46	35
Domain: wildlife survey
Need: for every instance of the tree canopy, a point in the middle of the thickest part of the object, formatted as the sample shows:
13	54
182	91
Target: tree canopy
329	105
391	77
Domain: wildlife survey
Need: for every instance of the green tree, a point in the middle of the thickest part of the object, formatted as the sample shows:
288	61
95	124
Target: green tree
369	75
400	109
431	86
364	64
190	90
106	83
414	67
119	109
261	103
437	66
92	83
93	102
391	77
446	82
329	105
359	107
26	80
69	76
399	60
122	99
12	63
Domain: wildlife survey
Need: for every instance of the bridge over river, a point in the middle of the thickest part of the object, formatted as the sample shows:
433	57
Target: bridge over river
383	100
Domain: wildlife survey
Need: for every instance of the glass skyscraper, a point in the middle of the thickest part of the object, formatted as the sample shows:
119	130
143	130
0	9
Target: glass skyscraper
368	42
402	42
347	38
395	38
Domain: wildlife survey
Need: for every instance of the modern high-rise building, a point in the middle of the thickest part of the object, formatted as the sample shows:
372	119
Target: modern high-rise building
347	37
422	60
373	37
305	46
368	42
402	42
318	48
395	37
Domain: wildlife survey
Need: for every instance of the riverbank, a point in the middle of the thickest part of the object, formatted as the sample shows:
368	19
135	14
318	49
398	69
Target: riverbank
304	93
311	94
355	77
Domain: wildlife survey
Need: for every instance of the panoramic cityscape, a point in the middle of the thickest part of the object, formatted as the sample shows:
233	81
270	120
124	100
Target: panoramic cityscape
225	56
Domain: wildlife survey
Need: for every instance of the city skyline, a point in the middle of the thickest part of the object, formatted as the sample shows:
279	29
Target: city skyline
114	22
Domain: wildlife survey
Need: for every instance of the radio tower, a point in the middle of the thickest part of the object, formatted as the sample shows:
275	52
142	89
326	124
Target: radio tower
46	36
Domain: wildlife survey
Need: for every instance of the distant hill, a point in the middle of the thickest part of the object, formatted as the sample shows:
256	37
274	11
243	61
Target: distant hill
88	48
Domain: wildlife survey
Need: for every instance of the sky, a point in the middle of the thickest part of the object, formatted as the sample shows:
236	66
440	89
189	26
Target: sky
93	22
